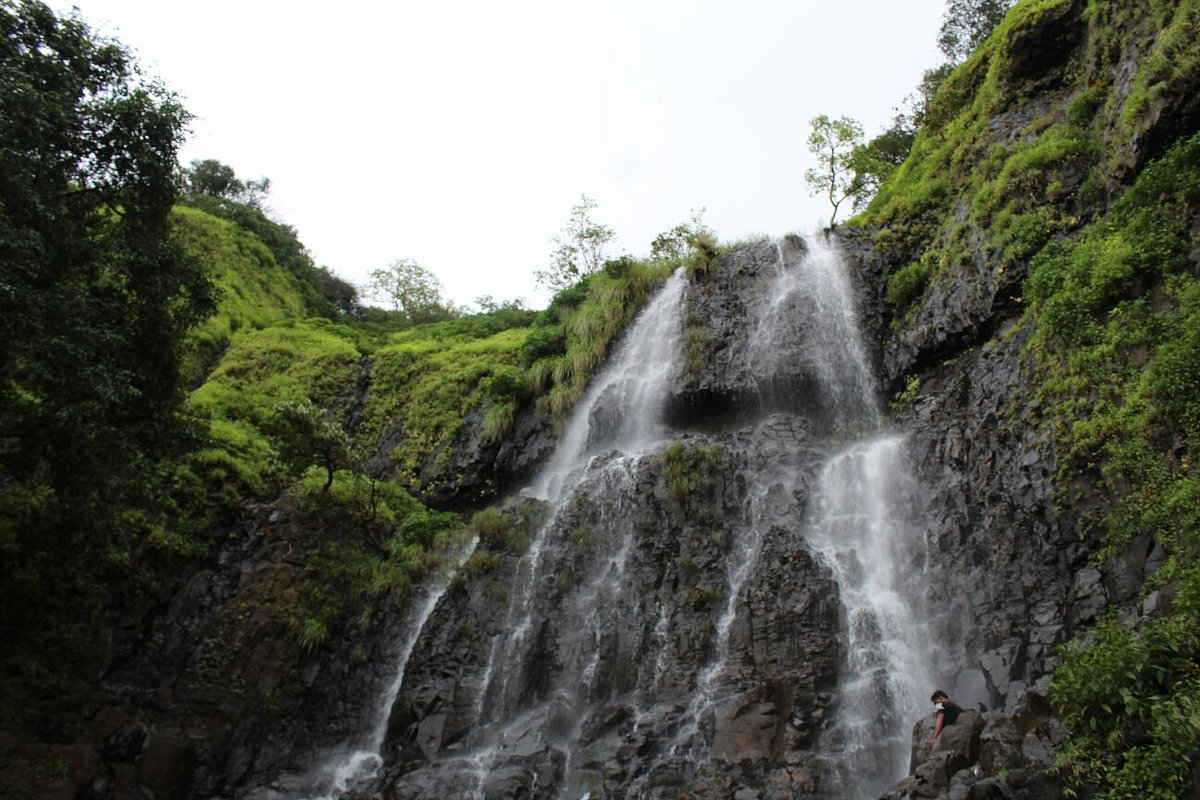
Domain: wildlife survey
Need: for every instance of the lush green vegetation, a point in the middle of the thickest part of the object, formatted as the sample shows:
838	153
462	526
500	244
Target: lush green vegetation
95	304
964	194
574	333
322	293
1113	292
1118	348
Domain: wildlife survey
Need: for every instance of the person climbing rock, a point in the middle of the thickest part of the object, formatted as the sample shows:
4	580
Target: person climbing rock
947	713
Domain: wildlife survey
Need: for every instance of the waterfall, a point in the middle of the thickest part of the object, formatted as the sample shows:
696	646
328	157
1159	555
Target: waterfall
627	642
623	405
814	300
879	561
859	527
355	765
620	411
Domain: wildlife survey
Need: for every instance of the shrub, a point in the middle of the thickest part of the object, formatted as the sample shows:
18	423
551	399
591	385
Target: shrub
506	384
544	342
905	287
618	268
686	466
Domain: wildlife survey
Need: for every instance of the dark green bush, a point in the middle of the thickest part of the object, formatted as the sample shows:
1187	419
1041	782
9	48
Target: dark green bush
618	268
543	342
507	383
569	297
422	525
905	287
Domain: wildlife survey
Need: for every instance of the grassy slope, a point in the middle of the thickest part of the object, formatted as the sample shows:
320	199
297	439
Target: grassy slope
399	398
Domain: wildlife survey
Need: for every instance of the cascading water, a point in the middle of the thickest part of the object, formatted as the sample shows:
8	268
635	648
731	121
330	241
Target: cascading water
623	405
813	299
859	527
621	410
629	644
358	763
879	561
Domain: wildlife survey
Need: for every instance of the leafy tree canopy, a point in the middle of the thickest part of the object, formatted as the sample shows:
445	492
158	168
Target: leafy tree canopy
211	177
833	142
874	162
580	249
410	289
966	24
678	242
95	301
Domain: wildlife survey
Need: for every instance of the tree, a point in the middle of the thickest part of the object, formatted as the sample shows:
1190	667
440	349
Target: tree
678	242
581	248
833	142
966	24
410	289
340	293
94	297
211	177
309	435
874	162
95	304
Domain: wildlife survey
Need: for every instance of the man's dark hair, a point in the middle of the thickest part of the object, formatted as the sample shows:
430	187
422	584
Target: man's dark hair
939	694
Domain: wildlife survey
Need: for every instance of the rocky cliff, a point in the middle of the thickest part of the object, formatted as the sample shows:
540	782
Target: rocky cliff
703	615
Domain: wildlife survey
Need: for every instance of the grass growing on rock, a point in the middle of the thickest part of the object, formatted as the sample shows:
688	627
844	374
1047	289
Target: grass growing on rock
1020	143
1118	353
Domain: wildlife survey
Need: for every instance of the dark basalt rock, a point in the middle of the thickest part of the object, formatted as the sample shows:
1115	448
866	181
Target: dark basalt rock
201	693
651	639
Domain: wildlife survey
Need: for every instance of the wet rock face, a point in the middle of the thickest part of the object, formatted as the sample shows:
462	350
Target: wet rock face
1006	552
753	343
1017	581
588	662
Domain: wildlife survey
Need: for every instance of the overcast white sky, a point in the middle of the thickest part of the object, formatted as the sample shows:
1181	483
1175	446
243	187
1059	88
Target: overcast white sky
460	134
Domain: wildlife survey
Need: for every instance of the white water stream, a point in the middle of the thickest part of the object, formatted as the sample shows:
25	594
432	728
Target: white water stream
879	561
814	299
358	763
621	410
623	405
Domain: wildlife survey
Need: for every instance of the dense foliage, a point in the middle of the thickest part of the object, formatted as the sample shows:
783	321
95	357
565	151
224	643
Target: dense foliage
1118	311
1113	291
96	302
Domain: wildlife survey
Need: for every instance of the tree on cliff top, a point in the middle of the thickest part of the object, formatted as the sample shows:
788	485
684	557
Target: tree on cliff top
410	289
211	177
581	248
966	24
833	142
